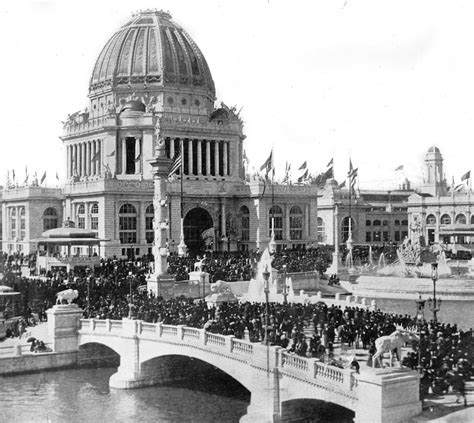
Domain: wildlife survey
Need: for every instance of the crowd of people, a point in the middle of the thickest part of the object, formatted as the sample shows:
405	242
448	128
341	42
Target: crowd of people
112	291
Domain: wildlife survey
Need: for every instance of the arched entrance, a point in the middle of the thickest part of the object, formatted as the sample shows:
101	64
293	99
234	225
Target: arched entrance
195	223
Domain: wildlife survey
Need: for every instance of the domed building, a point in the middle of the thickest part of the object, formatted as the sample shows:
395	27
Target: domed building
151	83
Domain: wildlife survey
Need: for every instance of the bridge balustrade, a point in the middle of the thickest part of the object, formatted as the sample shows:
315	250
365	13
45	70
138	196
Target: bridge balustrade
295	361
242	347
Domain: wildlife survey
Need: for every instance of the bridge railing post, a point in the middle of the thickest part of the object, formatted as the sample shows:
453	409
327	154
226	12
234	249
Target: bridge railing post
108	326
203	336
159	329
229	340
139	326
180	332
92	325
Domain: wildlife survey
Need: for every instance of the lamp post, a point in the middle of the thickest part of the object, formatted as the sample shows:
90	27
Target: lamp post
130	295
266	290
285	287
88	272
420	317
434	303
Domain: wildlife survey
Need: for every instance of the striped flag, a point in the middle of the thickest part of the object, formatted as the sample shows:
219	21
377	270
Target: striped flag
176	164
286	179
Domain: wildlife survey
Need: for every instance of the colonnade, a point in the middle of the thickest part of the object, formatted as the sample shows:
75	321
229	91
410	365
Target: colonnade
202	157
84	158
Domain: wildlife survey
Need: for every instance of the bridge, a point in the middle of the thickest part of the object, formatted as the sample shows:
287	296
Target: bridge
272	375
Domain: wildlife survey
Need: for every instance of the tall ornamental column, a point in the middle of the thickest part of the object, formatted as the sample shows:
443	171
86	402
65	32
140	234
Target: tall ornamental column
74	160
225	171
216	158
160	282
208	158
199	158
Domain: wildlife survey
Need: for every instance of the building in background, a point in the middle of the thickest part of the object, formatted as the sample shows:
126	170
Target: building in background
150	82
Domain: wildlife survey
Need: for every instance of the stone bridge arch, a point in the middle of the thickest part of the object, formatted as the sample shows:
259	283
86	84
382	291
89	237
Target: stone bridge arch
233	368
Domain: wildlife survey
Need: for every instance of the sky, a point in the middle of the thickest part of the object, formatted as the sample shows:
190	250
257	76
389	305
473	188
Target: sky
375	81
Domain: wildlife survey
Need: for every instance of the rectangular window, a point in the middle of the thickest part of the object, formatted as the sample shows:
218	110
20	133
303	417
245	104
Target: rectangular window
397	236
377	236
404	234
81	222
385	236
368	237
95	223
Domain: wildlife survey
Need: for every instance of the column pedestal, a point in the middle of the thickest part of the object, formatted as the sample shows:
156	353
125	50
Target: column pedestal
63	323
161	285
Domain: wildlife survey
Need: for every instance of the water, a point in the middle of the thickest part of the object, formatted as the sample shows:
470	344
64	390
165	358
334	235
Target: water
83	395
459	312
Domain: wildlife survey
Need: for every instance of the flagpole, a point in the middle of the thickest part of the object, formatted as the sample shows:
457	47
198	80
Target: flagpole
182	246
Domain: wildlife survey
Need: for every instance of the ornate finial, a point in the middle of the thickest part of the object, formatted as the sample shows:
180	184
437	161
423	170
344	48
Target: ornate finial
157	12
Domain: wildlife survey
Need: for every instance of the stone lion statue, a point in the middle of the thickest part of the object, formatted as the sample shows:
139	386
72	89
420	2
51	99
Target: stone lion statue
68	295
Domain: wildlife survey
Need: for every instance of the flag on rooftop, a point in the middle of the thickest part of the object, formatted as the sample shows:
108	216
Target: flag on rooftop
268	165
399	168
466	176
458	187
57	176
303	166
304	177
331	162
43	177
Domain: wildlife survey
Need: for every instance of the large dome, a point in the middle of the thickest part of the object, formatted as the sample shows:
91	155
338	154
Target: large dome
151	50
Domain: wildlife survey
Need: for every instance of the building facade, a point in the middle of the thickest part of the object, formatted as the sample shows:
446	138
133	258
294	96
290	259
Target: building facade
151	82
444	214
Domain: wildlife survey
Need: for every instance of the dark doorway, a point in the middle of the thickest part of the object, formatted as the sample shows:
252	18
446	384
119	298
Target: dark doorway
195	223
130	155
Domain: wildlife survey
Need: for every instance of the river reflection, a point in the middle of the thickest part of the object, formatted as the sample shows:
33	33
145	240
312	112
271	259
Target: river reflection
83	395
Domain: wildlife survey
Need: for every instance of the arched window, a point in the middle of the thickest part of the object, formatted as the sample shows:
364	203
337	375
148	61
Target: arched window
321	230
149	216
277	213
345	228
95	217
244	223
128	224
377	222
296	223
385	223
81	215
368	222
50	219
22	214
460	219
404	222
397	222
431	219
445	219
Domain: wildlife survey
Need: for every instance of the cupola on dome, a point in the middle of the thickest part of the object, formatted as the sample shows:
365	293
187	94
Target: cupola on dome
151	50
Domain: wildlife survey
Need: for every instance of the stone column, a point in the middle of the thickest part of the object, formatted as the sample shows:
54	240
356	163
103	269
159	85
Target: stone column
208	158
225	171
84	159
124	156
138	156
172	152
99	157
190	157
75	164
199	158
160	283
216	158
